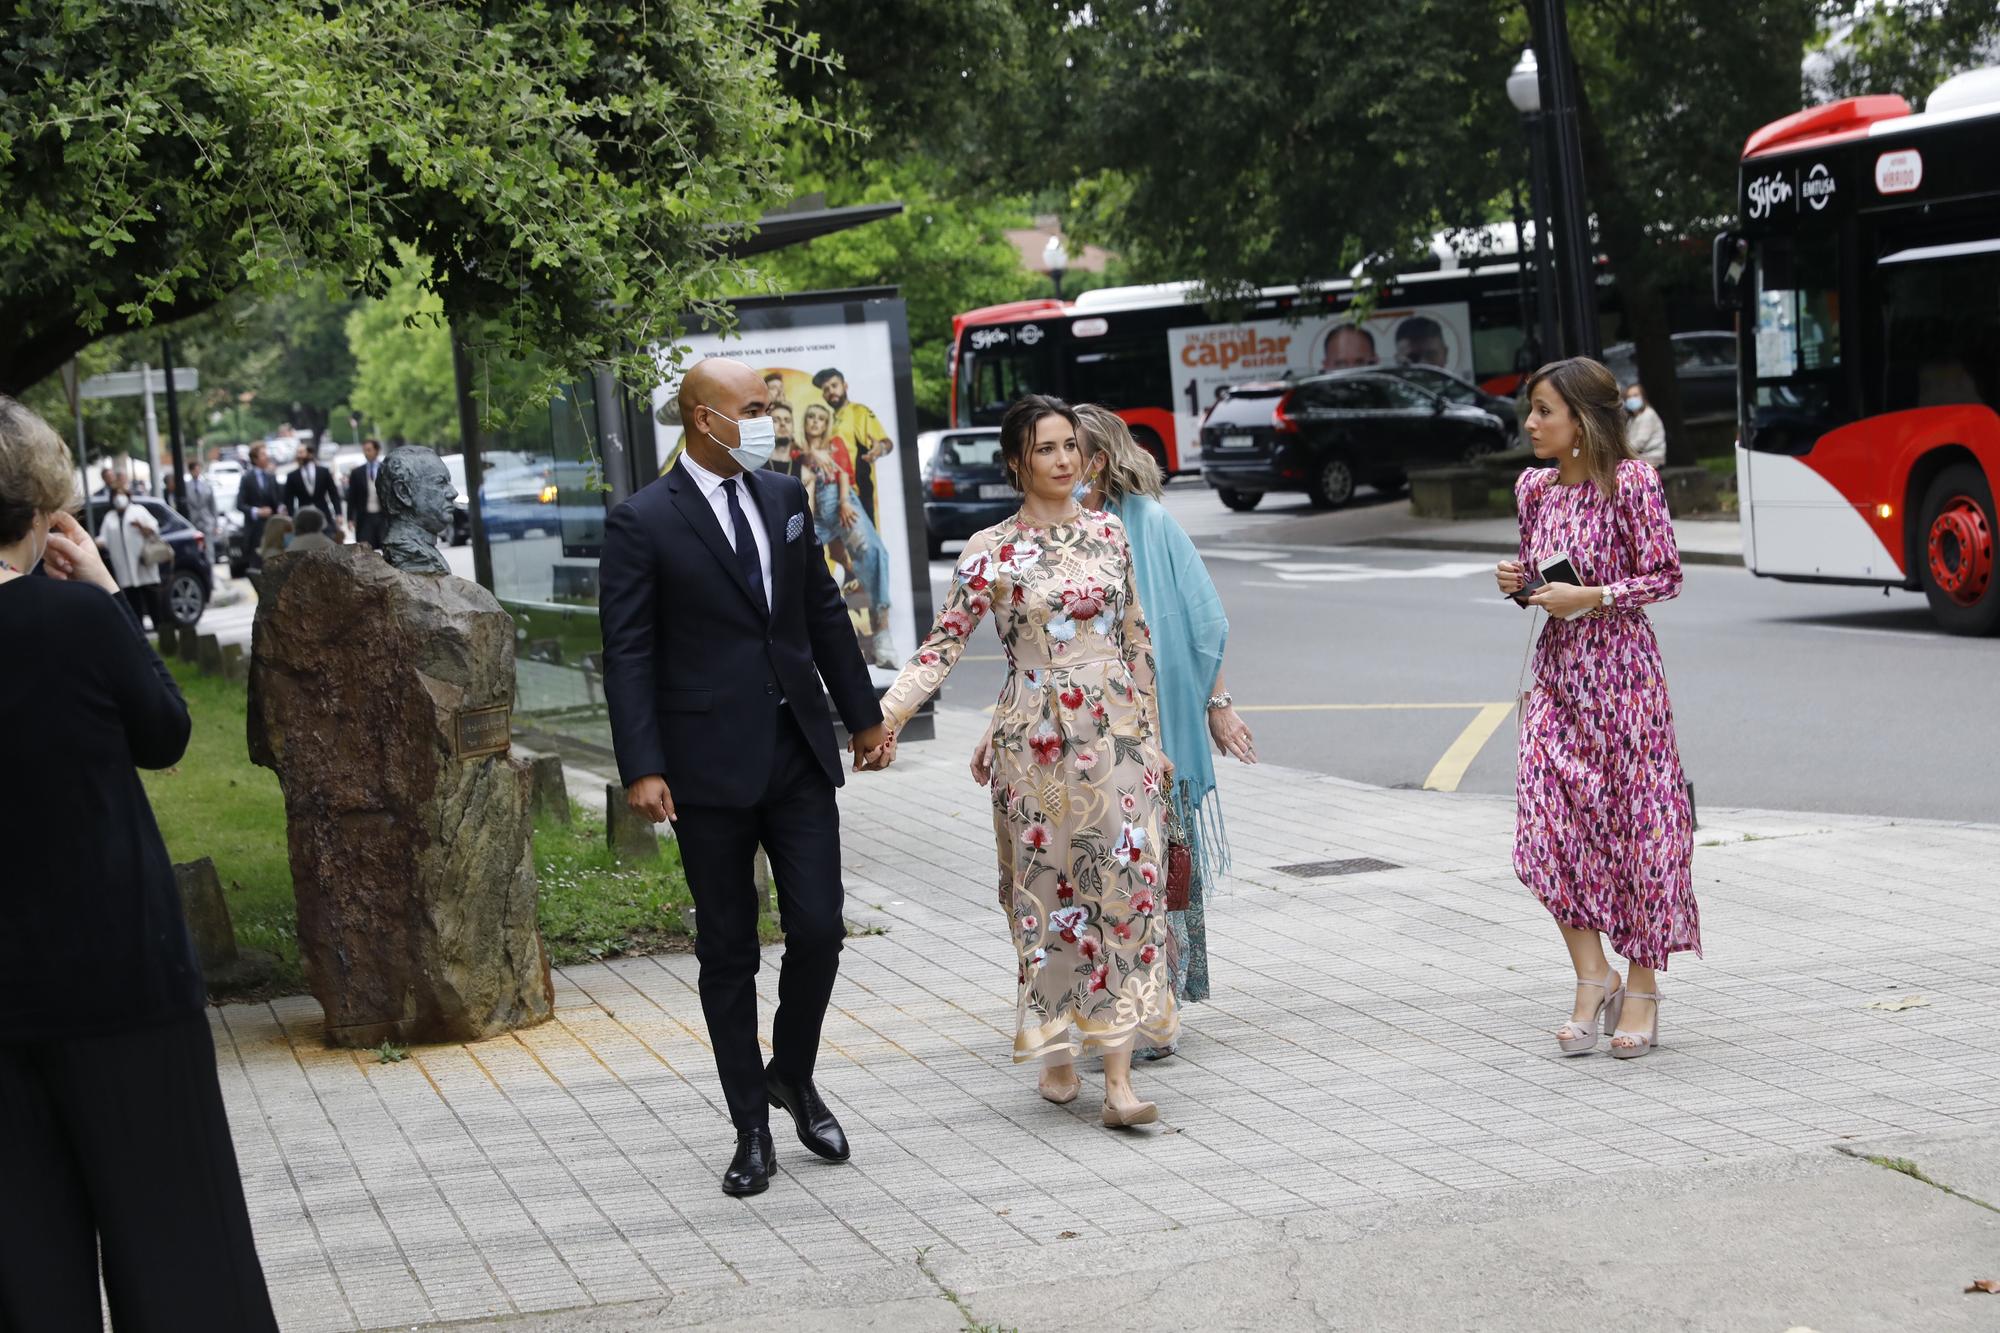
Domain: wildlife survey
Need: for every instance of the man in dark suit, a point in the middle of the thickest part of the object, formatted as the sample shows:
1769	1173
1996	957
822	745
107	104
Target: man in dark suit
312	485
364	500
720	620
258	497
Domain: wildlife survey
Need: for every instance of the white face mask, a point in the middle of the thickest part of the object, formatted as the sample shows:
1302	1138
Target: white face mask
756	438
1634	403
120	503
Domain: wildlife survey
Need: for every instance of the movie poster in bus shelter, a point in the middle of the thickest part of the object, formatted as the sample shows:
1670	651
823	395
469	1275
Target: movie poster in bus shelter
834	402
1204	359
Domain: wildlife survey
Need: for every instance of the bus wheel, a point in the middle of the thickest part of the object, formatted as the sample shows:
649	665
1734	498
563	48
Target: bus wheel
1241	501
1333	485
1958	531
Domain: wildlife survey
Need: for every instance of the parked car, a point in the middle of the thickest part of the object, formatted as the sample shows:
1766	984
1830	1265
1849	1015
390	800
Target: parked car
190	580
520	498
965	484
1447	385
1327	434
1704	367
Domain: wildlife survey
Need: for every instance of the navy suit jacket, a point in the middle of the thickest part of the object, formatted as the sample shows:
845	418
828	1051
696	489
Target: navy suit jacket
693	670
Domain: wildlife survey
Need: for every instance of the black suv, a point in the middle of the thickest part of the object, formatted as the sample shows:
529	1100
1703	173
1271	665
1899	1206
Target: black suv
1326	434
190	580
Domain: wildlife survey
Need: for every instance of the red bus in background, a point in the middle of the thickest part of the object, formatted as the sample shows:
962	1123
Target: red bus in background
1156	356
1866	280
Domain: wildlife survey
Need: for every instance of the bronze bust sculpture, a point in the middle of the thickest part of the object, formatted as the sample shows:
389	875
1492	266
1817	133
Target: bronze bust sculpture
417	496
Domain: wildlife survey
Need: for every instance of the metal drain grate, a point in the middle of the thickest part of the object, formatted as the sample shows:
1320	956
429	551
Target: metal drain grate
1359	865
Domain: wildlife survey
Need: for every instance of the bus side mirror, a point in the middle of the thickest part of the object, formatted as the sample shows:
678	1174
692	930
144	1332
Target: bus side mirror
1732	259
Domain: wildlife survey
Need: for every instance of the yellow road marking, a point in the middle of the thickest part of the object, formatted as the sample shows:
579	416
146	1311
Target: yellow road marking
1450	770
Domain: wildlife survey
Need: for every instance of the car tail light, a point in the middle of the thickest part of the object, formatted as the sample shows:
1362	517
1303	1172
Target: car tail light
549	495
1282	420
200	540
943	488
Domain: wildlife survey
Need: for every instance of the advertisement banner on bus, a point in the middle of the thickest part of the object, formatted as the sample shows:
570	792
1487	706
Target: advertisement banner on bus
834	400
1204	359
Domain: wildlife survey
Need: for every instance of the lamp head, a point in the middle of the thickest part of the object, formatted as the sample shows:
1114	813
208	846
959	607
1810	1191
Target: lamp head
1524	84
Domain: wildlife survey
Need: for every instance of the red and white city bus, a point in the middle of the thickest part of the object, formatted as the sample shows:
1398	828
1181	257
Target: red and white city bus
1866	277
1159	358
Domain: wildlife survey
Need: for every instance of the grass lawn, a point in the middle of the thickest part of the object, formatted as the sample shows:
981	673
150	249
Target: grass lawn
216	803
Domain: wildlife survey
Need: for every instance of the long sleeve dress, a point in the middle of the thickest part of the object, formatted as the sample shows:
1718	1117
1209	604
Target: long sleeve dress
1604	834
1079	779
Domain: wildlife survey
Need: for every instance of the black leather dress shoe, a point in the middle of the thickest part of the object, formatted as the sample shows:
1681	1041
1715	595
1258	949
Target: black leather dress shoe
750	1169
818	1130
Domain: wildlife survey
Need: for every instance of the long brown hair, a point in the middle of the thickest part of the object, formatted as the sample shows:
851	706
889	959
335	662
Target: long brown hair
1590	392
1128	469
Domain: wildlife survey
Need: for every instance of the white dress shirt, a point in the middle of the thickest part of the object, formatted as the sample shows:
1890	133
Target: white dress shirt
711	490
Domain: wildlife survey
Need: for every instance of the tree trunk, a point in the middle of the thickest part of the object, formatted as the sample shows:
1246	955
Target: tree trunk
1622	233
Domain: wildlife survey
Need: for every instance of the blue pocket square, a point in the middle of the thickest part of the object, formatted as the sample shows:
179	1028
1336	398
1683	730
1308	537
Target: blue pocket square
794	526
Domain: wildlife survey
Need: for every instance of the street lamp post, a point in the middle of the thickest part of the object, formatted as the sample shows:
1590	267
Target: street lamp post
1055	258
1576	273
1524	90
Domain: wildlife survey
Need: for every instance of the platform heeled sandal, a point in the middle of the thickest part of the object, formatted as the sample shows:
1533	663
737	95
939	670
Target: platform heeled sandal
1642	1042
1581	1038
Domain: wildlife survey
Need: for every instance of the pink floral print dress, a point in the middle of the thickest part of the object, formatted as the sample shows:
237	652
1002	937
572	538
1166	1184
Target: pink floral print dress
1603	832
1079	778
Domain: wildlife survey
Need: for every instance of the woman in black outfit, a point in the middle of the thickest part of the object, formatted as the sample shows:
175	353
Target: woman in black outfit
112	1132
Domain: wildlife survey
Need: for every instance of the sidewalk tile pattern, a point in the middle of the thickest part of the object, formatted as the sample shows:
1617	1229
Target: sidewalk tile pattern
1373	1036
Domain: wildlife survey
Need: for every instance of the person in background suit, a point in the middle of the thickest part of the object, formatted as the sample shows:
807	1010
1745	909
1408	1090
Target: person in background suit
311	485
201	508
257	498
364	500
720	621
309	533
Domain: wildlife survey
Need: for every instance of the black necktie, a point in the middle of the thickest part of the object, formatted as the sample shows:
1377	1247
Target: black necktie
746	549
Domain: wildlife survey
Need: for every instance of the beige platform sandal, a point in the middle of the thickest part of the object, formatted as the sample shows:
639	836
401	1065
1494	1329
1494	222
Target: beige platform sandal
1642	1042
1581	1038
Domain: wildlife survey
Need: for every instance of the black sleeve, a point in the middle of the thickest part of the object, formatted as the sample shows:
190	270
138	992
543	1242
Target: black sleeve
355	480
333	492
626	593
835	651
246	499
148	701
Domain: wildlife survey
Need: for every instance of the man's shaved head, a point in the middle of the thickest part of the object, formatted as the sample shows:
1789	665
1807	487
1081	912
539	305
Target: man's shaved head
730	391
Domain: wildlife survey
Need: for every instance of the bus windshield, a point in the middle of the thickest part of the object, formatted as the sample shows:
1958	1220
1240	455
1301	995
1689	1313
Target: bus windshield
992	377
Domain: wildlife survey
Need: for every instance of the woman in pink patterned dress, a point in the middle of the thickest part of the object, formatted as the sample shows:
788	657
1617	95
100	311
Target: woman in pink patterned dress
1604	833
1079	779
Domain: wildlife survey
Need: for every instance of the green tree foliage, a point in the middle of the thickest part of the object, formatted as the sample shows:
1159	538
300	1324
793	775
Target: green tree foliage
403	379
1907	48
566	167
946	253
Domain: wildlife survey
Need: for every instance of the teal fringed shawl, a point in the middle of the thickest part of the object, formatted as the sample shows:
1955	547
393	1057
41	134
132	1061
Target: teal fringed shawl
1189	634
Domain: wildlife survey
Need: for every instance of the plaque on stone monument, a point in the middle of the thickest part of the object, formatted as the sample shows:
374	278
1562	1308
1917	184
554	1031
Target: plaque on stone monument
484	731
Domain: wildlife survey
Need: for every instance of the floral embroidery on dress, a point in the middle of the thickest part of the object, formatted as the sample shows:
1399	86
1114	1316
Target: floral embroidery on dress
1077	786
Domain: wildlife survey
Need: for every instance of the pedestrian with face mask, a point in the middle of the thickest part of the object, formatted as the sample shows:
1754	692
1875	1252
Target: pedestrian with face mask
114	1144
720	623
1644	431
123	534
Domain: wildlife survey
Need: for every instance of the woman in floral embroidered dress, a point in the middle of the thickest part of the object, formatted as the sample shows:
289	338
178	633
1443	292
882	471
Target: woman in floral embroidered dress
1604	831
1079	778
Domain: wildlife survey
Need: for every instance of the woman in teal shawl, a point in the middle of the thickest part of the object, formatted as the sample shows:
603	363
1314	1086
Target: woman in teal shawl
1190	632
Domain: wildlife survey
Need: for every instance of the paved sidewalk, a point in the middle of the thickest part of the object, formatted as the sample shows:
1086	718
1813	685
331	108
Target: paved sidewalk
1377	1044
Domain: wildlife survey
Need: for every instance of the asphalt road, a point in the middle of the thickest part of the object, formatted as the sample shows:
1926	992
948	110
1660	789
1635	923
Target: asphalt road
1380	665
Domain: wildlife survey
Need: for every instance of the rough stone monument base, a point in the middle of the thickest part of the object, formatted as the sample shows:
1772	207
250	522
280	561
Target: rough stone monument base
381	699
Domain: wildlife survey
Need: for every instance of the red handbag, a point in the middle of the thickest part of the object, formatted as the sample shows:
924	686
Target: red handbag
1180	862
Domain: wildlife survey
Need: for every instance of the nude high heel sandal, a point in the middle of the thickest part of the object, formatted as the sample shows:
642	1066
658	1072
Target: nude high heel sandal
1581	1038
1642	1041
1124	1117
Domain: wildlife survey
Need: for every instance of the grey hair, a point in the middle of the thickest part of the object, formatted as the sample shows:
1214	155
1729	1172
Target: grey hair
1128	469
35	476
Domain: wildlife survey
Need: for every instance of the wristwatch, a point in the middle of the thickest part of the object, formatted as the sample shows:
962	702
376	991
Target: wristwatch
1607	597
1222	700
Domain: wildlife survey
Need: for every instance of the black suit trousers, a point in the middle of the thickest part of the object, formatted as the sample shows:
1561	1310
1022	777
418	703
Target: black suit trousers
119	1144
798	824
